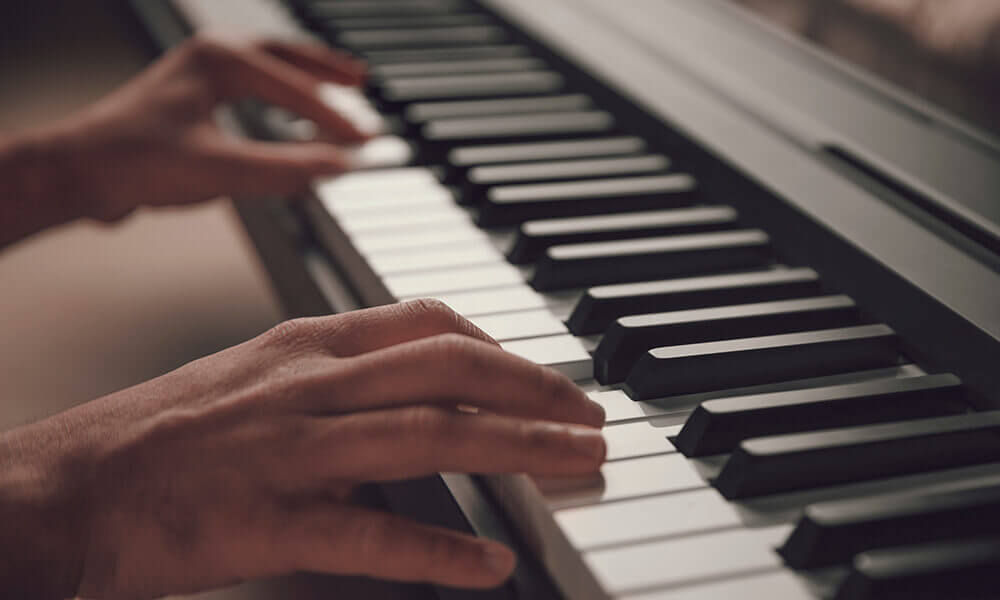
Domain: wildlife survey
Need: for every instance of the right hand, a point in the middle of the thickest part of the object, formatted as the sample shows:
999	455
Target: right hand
242	464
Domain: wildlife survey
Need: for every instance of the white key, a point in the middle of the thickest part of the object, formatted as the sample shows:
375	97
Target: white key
452	280
351	103
367	222
369	243
380	153
389	263
686	559
472	304
389	200
619	408
564	353
383	179
641	438
780	585
630	521
624	479
518	325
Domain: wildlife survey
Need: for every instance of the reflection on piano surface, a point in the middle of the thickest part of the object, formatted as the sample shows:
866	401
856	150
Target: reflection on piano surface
767	437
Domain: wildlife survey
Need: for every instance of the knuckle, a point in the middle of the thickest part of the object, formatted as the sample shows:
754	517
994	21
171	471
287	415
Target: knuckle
427	422
431	310
204	48
372	535
438	551
458	351
295	332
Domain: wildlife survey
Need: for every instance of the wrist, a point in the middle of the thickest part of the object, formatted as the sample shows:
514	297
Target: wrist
40	184
43	525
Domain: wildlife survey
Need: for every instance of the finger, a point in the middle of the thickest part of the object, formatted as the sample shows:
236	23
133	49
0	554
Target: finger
452	370
318	61
251	72
404	443
356	541
362	331
248	167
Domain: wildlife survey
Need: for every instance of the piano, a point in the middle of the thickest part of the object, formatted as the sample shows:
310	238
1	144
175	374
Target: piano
801	382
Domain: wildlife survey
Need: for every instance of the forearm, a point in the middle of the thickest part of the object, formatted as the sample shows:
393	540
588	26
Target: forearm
40	533
37	184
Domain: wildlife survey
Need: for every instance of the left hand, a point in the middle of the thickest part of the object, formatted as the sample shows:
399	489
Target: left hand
153	142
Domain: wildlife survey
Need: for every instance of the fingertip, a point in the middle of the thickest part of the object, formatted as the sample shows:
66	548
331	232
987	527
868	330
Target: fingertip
498	562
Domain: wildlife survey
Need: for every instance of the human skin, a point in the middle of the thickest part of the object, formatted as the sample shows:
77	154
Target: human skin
245	463
154	141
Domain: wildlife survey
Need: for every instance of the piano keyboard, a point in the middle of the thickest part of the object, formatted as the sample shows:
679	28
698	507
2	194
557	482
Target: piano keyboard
766	437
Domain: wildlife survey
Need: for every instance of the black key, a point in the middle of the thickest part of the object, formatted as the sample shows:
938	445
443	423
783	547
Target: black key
832	532
567	169
600	306
628	337
454	67
475	52
421	112
595	263
691	368
443	87
514	127
512	204
718	426
392	8
961	570
416	20
460	159
534	237
370	39
790	462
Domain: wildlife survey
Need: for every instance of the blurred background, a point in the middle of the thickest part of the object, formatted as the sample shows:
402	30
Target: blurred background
88	309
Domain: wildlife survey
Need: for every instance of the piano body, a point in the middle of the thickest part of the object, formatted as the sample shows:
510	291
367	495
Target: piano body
796	341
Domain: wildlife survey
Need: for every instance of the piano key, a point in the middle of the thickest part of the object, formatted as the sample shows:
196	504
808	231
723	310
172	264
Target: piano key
405	178
640	438
685	560
452	67
534	237
488	302
959	570
832	532
473	52
425	238
468	156
393	200
412	285
563	353
795	461
351	103
766	586
623	479
601	305
370	39
518	325
690	368
422	20
649	518
421	112
567	169
628	337
617	261
719	426
619	408
404	261
412	89
512	204
366	8
382	152
505	127
373	221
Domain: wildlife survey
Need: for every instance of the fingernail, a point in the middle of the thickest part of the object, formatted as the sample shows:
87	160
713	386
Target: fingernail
587	441
498	559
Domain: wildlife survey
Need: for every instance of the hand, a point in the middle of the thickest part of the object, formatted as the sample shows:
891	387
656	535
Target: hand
153	142
243	464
